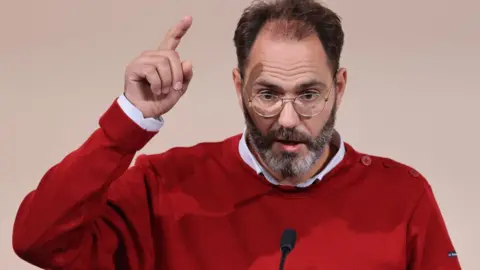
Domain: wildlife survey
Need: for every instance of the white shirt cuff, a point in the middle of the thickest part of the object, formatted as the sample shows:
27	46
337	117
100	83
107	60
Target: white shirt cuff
149	124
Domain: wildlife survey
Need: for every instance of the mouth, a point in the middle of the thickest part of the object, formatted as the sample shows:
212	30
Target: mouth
289	146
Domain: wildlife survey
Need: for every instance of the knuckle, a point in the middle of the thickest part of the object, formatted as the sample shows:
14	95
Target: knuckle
165	74
147	68
150	71
166	79
174	54
131	70
146	53
163	60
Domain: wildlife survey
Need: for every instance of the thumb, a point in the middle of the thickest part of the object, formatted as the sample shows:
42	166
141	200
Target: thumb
187	69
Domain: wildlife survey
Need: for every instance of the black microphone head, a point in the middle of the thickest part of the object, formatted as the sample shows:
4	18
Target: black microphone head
287	243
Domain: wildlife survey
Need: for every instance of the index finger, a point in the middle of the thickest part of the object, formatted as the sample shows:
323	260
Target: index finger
175	34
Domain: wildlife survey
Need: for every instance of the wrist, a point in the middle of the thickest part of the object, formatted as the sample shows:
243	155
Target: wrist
149	123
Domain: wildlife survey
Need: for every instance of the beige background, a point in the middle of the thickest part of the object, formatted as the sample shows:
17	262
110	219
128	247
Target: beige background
412	92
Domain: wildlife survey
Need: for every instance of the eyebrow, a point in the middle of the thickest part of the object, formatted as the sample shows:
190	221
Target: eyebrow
312	83
264	83
308	84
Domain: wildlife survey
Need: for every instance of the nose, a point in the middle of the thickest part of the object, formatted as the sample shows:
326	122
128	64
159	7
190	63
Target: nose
288	117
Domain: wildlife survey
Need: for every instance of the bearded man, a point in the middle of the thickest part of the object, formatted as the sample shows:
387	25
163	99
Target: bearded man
225	205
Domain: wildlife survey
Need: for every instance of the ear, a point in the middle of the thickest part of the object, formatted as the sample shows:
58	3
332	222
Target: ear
341	84
238	82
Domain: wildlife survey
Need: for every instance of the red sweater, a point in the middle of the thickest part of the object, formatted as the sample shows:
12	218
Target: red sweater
202	207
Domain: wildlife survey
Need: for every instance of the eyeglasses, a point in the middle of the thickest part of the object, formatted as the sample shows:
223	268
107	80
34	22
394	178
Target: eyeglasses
309	104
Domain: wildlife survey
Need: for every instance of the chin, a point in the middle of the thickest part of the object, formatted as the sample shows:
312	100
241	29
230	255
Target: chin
290	164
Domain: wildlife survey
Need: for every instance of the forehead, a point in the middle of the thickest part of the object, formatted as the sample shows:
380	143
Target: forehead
285	59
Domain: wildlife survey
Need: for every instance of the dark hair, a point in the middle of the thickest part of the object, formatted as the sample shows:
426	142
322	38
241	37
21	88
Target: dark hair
291	19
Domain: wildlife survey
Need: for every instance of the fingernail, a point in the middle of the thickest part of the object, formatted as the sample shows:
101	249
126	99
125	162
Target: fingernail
178	86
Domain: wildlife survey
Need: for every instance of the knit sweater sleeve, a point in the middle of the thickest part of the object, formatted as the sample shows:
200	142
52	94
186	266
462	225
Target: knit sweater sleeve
91	211
428	242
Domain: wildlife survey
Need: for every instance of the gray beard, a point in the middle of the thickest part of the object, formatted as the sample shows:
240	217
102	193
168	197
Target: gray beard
289	164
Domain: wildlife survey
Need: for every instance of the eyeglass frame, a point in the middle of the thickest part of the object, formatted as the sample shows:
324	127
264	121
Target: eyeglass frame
292	100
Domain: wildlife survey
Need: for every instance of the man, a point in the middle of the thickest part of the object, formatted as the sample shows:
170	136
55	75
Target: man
224	205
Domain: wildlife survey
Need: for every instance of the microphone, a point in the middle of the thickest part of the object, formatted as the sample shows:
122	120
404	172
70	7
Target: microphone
287	243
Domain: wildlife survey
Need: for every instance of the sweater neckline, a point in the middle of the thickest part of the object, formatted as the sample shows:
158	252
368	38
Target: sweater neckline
260	183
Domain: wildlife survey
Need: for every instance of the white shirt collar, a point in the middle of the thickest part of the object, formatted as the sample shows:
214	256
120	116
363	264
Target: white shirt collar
251	161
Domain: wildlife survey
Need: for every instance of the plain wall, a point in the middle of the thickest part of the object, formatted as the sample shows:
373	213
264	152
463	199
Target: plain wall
412	93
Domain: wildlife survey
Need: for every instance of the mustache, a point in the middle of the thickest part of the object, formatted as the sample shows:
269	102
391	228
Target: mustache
287	134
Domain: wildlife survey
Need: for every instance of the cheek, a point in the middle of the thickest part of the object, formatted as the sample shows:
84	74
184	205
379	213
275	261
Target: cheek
262	124
314	125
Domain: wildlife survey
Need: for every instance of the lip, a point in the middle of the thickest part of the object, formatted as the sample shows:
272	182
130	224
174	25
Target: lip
289	147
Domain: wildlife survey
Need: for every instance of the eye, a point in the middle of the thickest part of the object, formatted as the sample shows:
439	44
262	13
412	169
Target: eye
310	96
267	95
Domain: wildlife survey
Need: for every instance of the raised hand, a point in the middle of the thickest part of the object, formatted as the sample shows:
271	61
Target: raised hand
157	79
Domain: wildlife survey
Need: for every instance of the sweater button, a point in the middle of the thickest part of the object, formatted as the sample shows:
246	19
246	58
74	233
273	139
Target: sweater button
414	173
366	160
